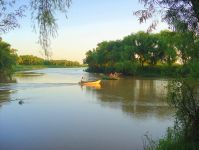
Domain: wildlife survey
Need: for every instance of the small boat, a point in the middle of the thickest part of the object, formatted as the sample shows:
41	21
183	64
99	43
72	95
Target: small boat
97	82
93	86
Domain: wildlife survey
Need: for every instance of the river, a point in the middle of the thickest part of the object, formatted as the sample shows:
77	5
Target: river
48	110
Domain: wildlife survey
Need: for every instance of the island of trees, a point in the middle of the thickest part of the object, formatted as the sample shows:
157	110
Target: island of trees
167	54
147	54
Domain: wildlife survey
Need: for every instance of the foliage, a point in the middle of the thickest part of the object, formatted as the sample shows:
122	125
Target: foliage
194	68
8	18
173	140
181	15
184	97
143	53
126	67
33	60
64	63
43	11
43	15
168	44
30	60
7	61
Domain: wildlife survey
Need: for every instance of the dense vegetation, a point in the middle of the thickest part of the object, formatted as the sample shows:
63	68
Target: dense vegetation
8	59
33	60
147	54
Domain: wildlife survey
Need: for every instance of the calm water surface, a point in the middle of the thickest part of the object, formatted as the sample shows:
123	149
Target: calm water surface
56	113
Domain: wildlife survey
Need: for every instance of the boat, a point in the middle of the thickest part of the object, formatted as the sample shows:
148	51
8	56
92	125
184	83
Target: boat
97	82
93	86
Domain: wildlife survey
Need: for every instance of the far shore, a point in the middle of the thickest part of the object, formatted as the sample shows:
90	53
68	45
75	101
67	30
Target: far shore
36	67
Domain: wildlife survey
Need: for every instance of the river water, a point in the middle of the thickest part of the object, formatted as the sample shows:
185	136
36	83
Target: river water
48	110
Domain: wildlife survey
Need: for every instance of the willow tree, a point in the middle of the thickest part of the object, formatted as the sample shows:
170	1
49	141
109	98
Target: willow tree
42	12
179	14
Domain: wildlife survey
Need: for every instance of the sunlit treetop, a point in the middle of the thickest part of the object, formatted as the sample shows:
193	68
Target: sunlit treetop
181	15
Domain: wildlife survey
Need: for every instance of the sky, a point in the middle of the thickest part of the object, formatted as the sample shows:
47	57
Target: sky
89	22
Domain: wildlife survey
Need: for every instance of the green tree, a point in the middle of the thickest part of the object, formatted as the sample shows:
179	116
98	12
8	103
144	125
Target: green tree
156	51
168	45
91	60
146	48
8	59
129	47
30	60
184	43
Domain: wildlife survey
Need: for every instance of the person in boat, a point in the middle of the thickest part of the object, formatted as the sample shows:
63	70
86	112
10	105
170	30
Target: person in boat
111	75
114	75
82	79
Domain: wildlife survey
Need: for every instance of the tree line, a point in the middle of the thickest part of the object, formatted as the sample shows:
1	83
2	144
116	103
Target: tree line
147	52
34	60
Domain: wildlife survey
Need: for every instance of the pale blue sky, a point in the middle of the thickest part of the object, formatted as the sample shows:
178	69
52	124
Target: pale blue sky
89	22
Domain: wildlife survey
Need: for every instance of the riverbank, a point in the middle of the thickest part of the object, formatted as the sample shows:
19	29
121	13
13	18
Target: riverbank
161	71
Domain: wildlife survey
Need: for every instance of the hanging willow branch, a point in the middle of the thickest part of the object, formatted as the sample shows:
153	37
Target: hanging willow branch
181	15
43	17
9	15
43	12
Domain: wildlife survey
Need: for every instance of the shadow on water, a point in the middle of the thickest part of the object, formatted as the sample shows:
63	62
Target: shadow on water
4	96
28	74
10	86
137	97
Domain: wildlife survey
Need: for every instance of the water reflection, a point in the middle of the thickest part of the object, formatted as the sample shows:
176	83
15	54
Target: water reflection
4	96
138	97
97	86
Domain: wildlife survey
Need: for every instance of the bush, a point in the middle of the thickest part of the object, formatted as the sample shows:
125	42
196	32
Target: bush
183	95
174	140
7	61
194	68
126	67
171	71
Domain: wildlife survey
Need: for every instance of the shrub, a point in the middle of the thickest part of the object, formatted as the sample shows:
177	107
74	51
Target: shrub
183	96
126	67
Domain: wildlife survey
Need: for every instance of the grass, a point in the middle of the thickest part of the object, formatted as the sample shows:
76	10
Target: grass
174	140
